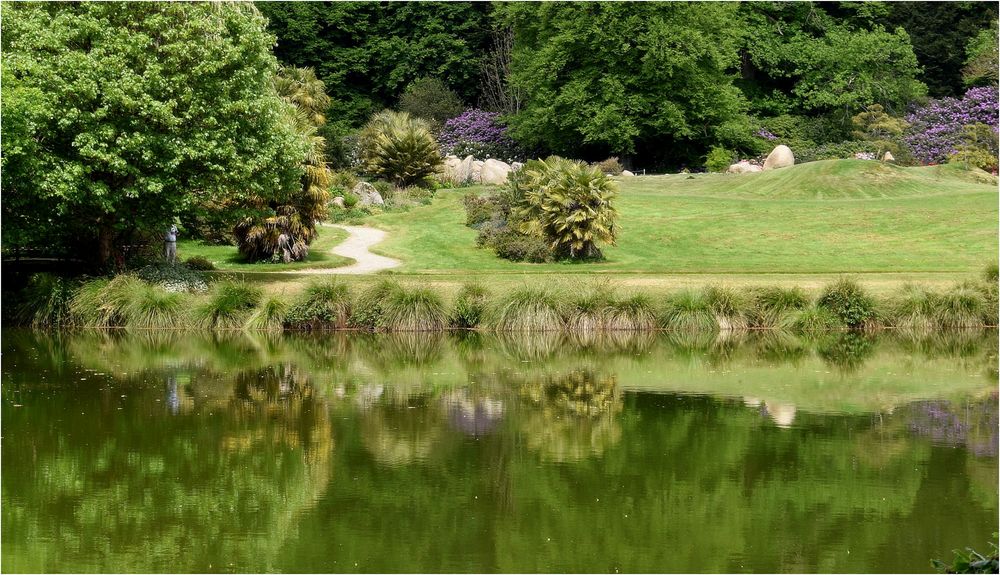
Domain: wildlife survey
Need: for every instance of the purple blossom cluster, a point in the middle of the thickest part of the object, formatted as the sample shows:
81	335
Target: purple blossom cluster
475	129
935	130
764	133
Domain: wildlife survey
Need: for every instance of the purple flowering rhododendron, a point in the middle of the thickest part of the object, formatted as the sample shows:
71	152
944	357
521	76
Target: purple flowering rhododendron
935	130
479	133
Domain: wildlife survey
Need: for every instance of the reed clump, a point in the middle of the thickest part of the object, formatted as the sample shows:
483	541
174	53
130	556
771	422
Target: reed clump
269	316
324	304
369	306
417	309
228	306
470	307
529	309
688	310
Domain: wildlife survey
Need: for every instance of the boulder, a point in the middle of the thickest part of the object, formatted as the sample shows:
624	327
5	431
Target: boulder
743	167
888	157
477	170
463	173
516	166
449	169
780	157
627	173
339	202
494	172
367	195
753	168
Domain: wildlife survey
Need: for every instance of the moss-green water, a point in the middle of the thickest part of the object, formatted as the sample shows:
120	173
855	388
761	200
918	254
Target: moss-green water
434	452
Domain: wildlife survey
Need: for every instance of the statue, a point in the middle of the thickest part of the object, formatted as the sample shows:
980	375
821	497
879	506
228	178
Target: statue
170	242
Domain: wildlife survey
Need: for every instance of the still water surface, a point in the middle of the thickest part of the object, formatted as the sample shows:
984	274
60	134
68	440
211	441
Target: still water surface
358	453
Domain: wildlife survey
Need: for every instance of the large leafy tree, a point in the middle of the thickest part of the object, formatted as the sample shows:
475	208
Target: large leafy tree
367	53
822	59
118	117
623	78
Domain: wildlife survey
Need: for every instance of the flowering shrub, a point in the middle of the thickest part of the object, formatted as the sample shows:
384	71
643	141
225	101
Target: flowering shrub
864	156
763	133
936	129
480	134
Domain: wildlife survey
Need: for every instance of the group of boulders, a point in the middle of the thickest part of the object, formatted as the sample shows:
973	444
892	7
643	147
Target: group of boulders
780	157
460	171
366	193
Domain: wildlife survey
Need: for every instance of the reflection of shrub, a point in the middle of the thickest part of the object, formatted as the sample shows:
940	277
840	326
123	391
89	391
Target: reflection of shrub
847	350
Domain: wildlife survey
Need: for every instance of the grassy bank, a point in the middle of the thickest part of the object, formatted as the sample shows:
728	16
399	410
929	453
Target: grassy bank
387	305
830	217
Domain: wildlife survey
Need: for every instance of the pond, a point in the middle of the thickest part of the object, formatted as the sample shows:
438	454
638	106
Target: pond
131	452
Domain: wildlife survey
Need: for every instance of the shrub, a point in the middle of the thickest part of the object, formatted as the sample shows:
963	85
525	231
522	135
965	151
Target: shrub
470	306
719	159
911	308
45	301
991	274
569	204
880	129
634	313
959	307
174	277
350	200
729	307
479	134
343	179
269	316
688	311
127	301
774	307
148	306
978	149
410	196
324	304
398	147
590	311
848	302
815	320
369	307
512	245
528	309
611	166
936	128
417	309
199	263
229	306
431	100
478	209
836	151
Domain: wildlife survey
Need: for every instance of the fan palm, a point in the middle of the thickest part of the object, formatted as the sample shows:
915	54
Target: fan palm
399	148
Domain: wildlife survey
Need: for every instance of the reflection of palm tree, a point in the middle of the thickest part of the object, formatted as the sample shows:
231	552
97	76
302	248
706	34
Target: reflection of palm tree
397	435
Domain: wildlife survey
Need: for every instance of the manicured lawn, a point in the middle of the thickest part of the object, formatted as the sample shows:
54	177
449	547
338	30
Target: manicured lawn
821	218
229	259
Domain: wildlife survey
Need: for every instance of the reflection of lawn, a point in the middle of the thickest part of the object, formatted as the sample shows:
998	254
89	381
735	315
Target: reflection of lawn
228	258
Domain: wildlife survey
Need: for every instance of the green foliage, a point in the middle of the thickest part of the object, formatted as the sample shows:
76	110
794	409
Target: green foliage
719	159
470	306
775	307
286	229
269	316
118	117
45	301
848	302
622	78
398	147
199	263
610	166
478	209
970	561
174	277
688	310
513	245
148	306
370	305
416	309
730	307
430	99
528	309
127	301
324	304
982	55
350	200
835	151
979	148
570	205
880	129
815	319
229	306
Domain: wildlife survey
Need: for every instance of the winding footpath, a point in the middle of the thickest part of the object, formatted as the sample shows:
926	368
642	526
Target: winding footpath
356	247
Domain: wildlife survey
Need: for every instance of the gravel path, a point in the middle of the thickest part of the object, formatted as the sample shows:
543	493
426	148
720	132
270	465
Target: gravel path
356	247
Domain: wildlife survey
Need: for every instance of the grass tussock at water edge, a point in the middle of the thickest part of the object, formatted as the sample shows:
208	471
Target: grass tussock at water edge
127	301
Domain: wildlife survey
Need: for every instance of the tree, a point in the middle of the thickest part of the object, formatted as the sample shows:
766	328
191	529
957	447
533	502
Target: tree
983	52
118	117
399	148
881	129
623	78
287	229
431	100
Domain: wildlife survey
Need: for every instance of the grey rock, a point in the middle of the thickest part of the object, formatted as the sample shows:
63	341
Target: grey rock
494	172
368	195
627	173
339	202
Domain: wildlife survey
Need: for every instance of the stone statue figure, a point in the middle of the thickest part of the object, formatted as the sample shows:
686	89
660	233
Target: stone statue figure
170	243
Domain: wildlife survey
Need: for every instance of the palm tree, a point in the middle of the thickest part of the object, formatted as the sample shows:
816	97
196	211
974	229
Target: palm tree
288	232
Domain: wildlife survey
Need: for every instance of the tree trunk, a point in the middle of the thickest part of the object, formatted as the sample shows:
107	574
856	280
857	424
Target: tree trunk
105	241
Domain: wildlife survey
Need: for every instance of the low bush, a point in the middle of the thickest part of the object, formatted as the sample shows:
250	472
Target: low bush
961	306
324	304
350	200
45	301
269	316
369	307
688	311
470	306
229	306
590	311
611	166
173	277
514	246
417	309
730	307
849	303
719	159
775	307
199	264
528	309
835	151
478	209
